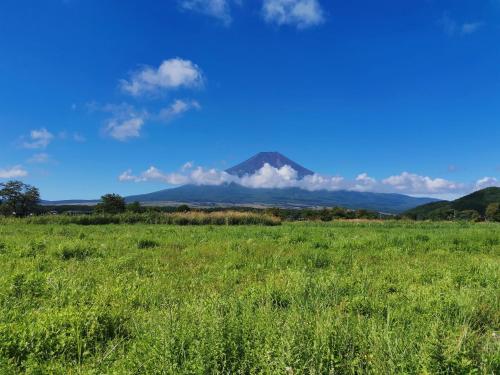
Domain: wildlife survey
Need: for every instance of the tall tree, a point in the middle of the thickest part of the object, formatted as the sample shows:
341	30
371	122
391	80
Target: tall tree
111	204
18	198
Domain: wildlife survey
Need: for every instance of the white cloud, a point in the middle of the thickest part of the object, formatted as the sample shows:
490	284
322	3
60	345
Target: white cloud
40	158
123	130
364	182
299	13
13	172
219	9
171	74
40	138
287	177
187	166
198	176
486	182
177	108
409	183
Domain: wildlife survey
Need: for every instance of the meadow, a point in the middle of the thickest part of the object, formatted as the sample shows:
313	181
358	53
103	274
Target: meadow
297	298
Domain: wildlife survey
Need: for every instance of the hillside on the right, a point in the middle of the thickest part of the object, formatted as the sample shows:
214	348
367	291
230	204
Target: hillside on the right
481	205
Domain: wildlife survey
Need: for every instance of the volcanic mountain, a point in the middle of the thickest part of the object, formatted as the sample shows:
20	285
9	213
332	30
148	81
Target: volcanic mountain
274	159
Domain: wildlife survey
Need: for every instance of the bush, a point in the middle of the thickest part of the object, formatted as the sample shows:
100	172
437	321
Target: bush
147	244
77	251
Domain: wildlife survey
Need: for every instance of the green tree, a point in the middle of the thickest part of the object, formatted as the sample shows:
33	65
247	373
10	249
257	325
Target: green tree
493	212
183	208
134	207
111	204
18	198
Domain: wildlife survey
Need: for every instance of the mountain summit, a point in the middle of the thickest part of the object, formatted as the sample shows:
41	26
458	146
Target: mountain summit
274	159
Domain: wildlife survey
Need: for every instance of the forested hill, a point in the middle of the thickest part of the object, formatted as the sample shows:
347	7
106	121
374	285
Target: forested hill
477	201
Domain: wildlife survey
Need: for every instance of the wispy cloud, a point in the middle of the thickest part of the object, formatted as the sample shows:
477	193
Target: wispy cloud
171	74
285	177
452	27
219	9
126	121
38	139
299	13
40	158
470	28
74	136
177	108
13	172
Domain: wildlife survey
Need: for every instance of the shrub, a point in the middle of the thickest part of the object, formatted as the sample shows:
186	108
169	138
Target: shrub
147	244
77	251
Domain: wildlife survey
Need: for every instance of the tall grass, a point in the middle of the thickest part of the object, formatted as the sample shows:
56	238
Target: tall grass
302	298
188	218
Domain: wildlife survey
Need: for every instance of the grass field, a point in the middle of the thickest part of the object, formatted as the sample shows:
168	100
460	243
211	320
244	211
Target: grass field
301	298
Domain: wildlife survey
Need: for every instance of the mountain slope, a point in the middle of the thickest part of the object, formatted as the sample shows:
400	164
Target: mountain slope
233	194
477	201
274	159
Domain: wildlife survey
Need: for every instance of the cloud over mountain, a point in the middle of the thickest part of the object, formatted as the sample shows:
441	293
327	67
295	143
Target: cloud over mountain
286	177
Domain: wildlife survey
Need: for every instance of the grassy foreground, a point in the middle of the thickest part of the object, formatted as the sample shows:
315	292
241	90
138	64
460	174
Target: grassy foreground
297	298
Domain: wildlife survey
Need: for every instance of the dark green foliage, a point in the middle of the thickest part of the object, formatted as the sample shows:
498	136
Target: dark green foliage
76	250
147	244
134	207
468	215
493	212
183	208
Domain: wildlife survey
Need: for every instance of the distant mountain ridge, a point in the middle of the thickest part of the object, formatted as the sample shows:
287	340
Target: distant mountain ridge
234	194
274	159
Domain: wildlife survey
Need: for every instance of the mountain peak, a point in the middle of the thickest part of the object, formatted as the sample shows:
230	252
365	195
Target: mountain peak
273	158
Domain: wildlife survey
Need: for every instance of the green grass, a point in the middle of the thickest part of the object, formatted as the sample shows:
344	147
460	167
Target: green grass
302	298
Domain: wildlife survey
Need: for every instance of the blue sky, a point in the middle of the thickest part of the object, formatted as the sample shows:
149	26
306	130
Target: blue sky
372	95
